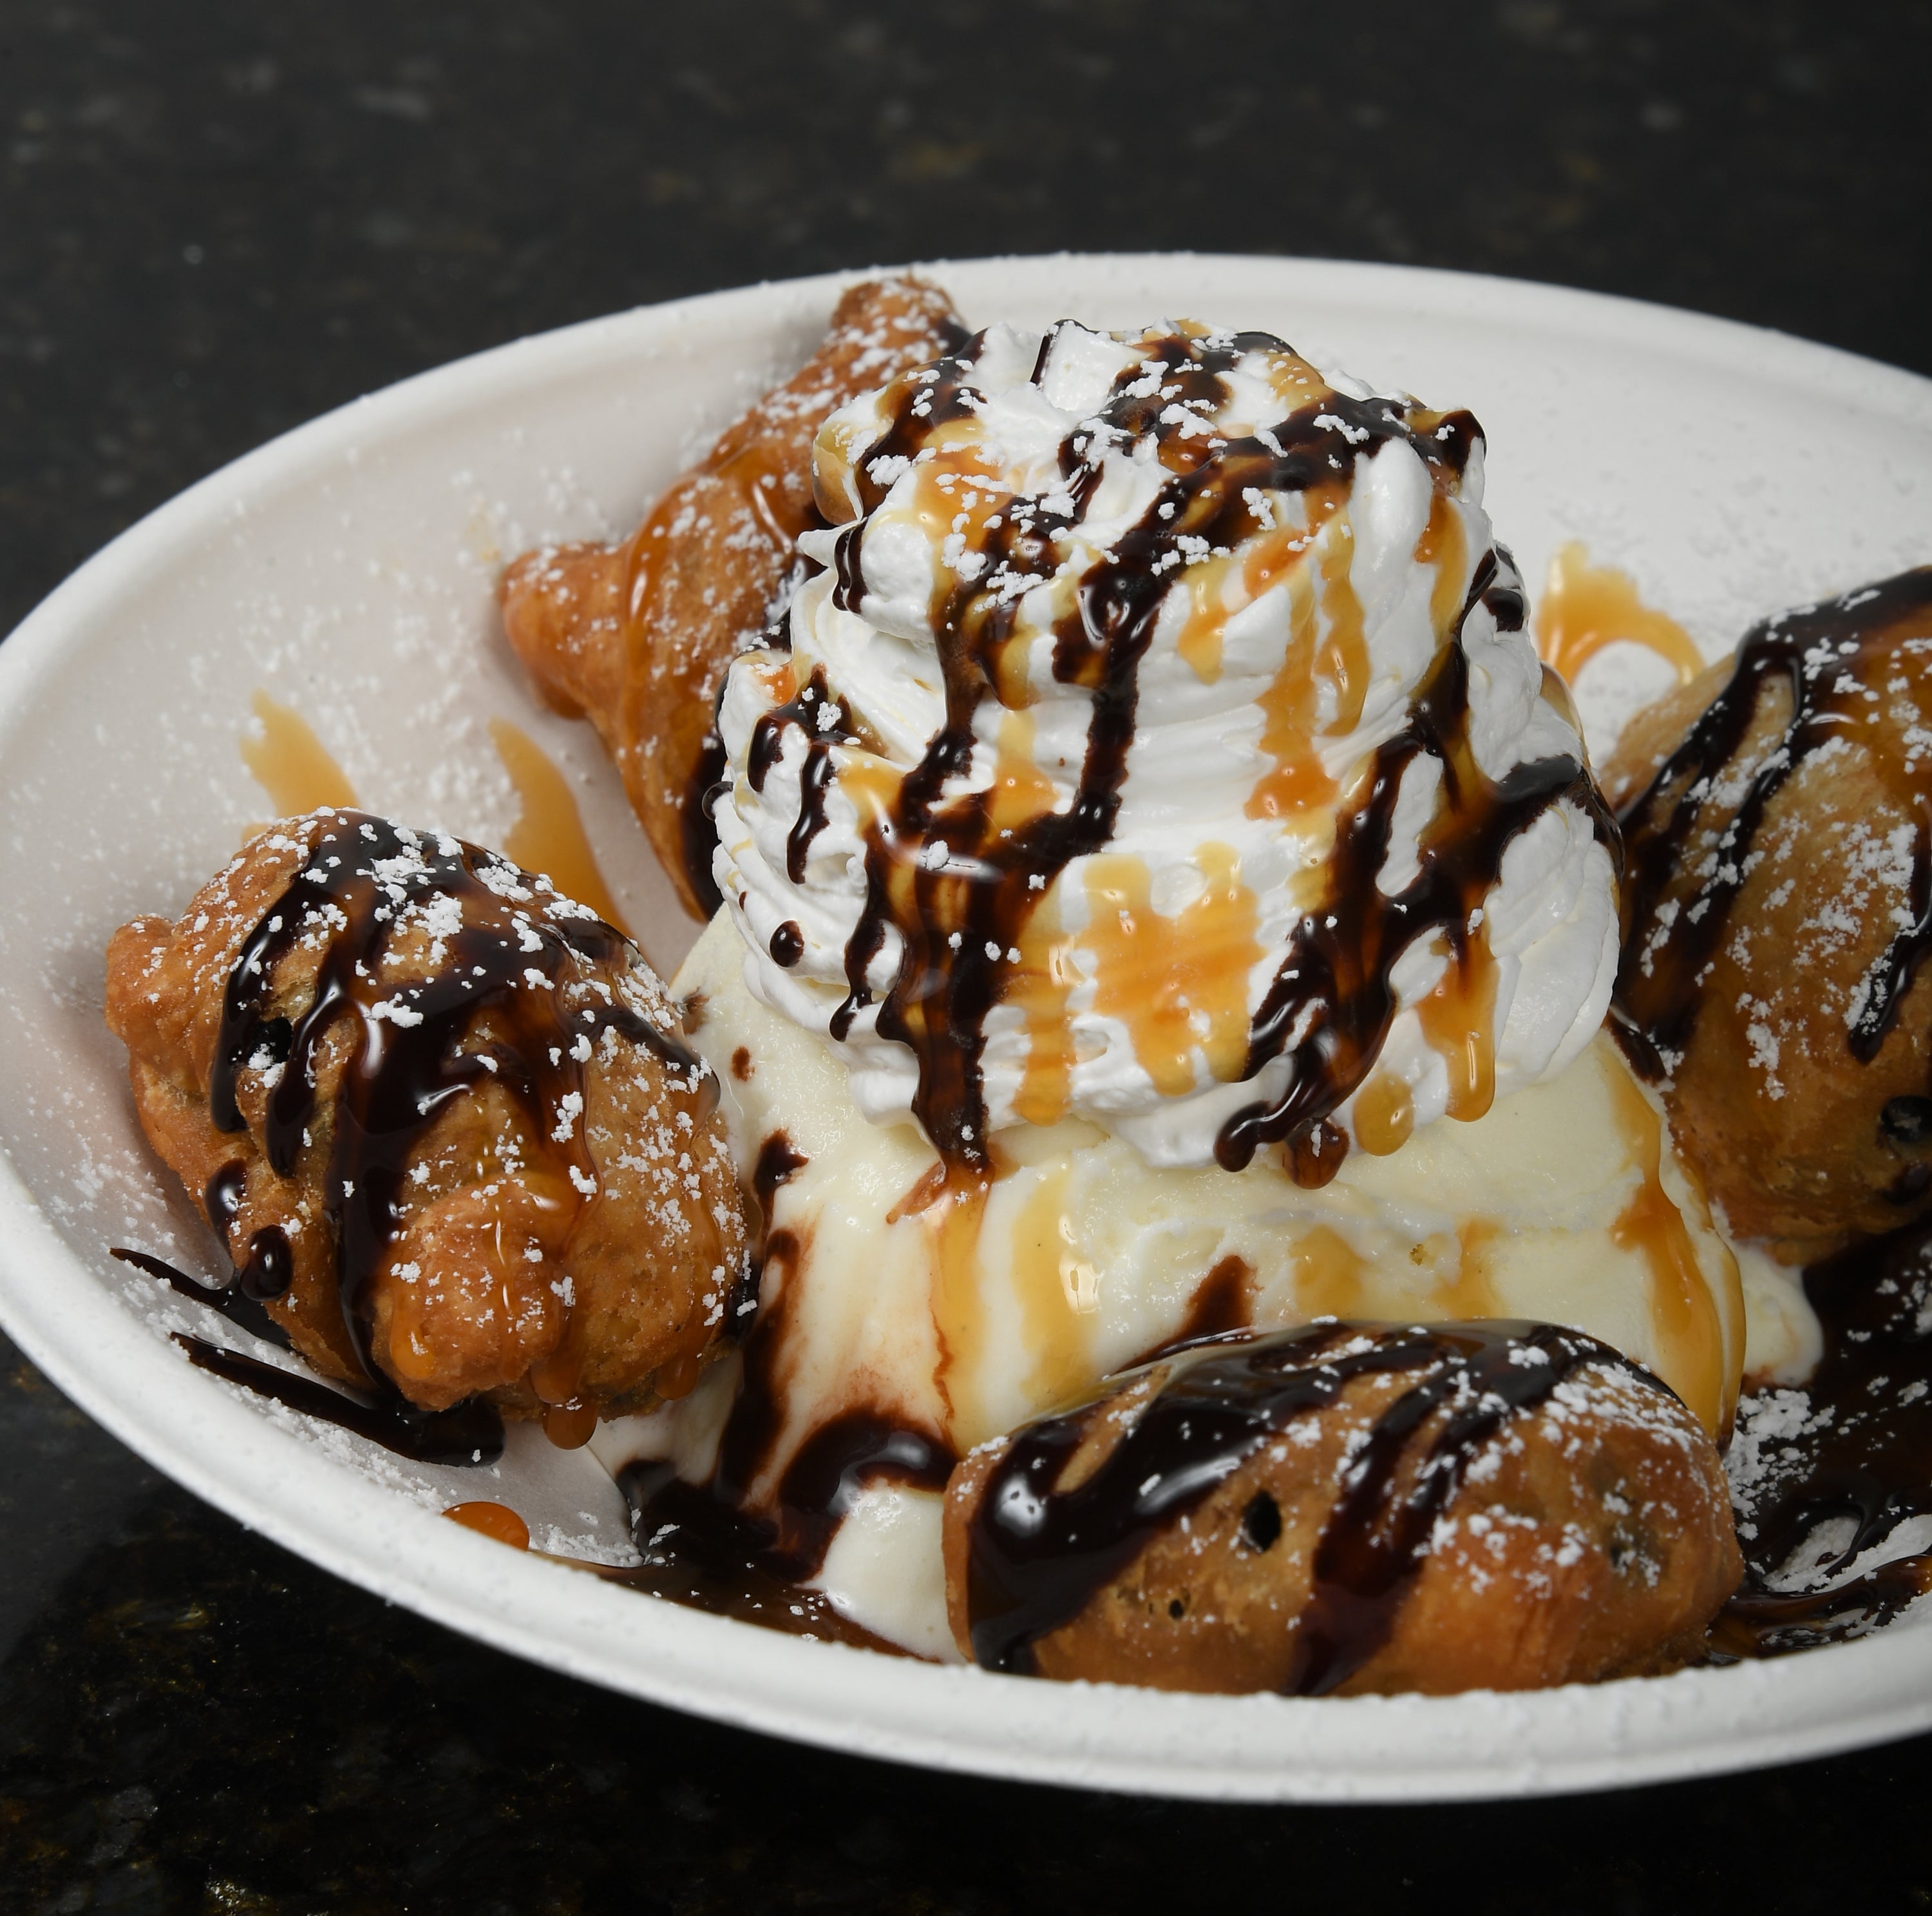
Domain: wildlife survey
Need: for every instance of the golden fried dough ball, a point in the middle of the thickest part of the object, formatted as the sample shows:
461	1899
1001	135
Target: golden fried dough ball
433	1110
1347	1509
1778	821
636	636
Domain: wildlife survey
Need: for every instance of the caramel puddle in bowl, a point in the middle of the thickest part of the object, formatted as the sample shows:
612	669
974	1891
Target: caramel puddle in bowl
1586	608
300	774
290	764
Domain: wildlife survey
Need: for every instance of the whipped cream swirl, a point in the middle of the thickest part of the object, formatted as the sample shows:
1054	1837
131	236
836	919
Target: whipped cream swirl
1161	745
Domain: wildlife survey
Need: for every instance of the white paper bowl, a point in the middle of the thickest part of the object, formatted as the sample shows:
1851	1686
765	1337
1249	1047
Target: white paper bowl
348	569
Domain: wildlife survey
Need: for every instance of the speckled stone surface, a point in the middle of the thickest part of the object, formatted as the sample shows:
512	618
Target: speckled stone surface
217	219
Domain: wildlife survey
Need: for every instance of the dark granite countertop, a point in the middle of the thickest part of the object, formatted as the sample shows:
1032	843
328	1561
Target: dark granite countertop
216	219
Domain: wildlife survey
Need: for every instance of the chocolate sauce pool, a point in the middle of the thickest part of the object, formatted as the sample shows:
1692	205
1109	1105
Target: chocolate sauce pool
698	1548
1842	1463
470	1433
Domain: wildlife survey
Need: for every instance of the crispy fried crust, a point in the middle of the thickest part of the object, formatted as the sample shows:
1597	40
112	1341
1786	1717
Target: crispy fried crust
503	1279
636	636
1785	1125
1591	1538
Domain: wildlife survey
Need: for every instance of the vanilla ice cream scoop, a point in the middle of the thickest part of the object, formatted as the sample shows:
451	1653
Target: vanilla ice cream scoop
1161	747
906	1316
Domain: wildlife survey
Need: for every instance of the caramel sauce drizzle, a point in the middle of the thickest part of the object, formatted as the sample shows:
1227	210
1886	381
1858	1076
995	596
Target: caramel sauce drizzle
1444	544
1586	608
548	835
961	918
571	1425
1298	782
1059	1293
297	770
290	764
1682	1307
478	1017
1221	586
1041	986
1833	660
1471	1292
1178	982
1334	986
1328	1273
1345	653
953	1222
1038	1554
1459	1022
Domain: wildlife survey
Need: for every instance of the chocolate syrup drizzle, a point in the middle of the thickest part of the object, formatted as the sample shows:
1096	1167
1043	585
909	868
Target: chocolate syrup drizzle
826	720
1220	1304
232	1300
1335	984
977	900
468	1433
1863	1456
1864	1453
1831	658
692	1552
1038	1555
509	959
268	1265
698	1543
698	825
471	1433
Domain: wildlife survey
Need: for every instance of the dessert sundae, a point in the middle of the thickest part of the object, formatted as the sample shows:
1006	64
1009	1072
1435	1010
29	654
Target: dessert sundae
1141	1177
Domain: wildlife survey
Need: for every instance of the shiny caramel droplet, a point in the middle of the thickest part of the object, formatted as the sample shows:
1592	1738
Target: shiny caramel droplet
678	1377
497	1521
1384	1115
568	1426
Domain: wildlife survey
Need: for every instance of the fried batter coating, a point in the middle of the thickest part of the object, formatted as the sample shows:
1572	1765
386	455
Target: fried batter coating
432	1110
1776	812
1343	1510
636	636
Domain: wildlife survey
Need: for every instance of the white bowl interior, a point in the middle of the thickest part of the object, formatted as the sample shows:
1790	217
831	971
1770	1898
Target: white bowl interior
348	570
